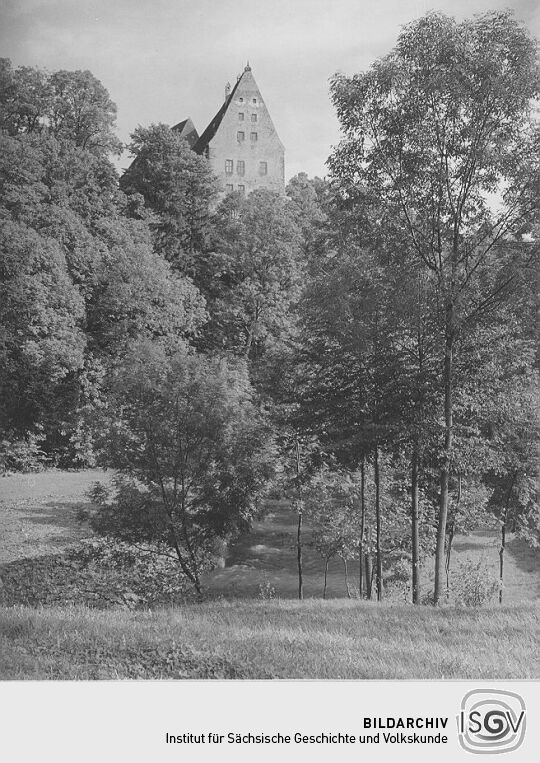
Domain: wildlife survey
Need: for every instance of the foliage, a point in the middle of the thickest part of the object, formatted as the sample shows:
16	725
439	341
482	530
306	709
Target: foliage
21	454
99	573
177	186
71	105
473	585
266	590
331	503
251	273
192	451
432	131
80	280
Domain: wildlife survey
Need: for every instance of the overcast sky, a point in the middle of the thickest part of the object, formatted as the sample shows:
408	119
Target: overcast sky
164	60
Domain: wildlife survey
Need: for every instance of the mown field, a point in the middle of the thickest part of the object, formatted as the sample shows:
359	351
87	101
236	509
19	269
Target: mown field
252	626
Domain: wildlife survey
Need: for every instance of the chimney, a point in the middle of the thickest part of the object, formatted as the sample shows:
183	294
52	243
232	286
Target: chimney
227	90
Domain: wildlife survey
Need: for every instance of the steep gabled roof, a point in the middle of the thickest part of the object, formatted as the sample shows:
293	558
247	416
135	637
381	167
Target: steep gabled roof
188	131
212	128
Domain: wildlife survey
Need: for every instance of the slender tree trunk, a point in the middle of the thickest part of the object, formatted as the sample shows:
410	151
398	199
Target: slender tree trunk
327	559
347	585
450	540
501	560
503	538
448	557
415	536
362	528
299	527
378	522
369	566
447	457
299	555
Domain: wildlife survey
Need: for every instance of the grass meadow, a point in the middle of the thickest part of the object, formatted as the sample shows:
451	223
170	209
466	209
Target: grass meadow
334	639
252	627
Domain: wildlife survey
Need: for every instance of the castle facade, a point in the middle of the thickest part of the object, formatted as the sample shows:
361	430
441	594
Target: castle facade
241	142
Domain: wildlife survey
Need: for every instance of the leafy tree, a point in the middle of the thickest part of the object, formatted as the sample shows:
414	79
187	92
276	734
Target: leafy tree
331	500
69	105
309	200
192	450
251	275
433	129
93	283
178	186
82	111
41	340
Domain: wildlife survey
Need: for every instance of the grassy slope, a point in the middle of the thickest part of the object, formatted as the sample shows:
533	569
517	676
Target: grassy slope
283	639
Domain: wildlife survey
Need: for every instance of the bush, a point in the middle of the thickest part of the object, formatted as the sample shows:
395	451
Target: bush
98	573
266	590
473	584
397	581
22	454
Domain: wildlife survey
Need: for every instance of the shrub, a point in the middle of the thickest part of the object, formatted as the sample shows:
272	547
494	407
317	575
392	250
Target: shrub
22	454
266	590
98	573
473	584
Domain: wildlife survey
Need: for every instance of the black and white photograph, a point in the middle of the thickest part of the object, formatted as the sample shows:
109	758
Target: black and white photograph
269	360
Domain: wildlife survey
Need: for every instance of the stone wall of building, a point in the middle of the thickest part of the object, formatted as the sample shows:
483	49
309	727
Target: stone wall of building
246	152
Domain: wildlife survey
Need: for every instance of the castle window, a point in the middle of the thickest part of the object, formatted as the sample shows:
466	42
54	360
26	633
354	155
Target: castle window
241	100
229	166
254	117
229	187
253	136
241	167
241	116
240	136
242	188
263	168
254	100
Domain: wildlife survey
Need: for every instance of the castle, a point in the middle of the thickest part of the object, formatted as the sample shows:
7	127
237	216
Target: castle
241	142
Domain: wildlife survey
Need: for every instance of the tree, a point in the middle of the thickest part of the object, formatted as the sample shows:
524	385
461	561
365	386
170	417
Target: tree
92	284
331	499
70	105
41	340
251	273
193	450
434	129
178	186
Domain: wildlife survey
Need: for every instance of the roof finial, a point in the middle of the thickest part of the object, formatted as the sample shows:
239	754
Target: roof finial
247	67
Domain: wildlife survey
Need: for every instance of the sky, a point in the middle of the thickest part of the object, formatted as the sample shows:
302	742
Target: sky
165	60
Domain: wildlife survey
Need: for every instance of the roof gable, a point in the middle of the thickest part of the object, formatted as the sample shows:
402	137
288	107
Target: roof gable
245	86
187	130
